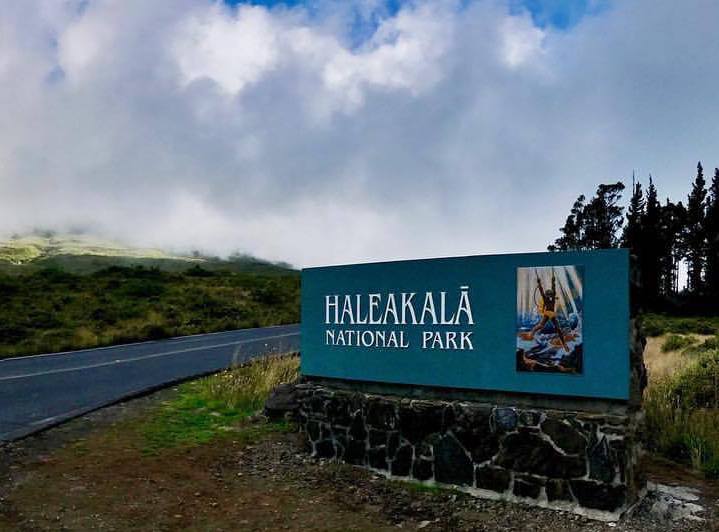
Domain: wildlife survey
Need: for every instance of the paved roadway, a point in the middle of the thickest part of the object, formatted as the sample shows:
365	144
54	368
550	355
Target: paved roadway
40	391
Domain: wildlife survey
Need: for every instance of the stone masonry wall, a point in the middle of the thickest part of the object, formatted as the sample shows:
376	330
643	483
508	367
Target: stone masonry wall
580	462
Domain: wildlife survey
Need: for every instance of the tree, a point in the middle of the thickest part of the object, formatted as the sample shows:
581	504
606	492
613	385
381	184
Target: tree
651	245
593	225
712	235
632	236
671	251
603	217
694	236
572	231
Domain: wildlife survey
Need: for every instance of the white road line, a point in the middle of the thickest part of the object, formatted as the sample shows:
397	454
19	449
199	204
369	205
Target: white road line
105	347
135	359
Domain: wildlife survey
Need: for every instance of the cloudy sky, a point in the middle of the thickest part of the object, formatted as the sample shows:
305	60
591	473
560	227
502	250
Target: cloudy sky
325	131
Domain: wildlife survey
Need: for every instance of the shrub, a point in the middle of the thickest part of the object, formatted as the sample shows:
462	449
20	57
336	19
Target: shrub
143	288
682	414
677	342
199	271
156	332
658	324
43	312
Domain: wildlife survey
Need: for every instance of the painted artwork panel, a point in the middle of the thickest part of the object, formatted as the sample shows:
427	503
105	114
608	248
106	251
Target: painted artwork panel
550	319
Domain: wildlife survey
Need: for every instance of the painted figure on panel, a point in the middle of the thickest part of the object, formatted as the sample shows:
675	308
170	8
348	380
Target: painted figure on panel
549	319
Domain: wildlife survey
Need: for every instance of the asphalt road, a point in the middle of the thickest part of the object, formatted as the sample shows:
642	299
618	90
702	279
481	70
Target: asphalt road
40	391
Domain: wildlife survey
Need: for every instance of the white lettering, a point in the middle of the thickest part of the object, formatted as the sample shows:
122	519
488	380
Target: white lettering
464	306
391	308
365	342
426	335
443	310
347	309
328	306
466	340
407	305
374	301
428	308
358	318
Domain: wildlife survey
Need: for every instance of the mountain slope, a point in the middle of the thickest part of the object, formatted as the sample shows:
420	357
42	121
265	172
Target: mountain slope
83	253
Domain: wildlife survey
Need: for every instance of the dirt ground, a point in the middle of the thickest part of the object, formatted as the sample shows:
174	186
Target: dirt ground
92	474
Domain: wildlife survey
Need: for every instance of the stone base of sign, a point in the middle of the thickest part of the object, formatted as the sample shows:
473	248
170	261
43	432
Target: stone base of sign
582	462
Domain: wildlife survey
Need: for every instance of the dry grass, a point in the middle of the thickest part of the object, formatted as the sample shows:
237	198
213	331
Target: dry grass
662	363
246	387
681	402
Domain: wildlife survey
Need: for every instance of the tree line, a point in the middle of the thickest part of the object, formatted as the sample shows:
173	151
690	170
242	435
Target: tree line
660	236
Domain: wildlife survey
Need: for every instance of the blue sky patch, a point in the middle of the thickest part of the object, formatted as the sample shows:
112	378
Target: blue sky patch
561	14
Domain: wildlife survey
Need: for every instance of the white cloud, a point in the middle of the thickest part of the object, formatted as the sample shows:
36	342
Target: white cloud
232	49
449	130
522	42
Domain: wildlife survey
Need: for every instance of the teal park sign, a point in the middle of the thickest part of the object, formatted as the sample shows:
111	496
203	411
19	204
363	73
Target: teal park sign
549	323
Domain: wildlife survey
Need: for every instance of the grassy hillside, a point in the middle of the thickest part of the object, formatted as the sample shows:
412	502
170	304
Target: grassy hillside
52	310
82	254
42	244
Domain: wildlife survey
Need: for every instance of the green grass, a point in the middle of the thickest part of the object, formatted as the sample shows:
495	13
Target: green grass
218	406
677	342
52	310
682	414
658	324
246	389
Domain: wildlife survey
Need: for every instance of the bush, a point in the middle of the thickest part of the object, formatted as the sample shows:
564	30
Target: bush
658	324
156	332
52	310
682	414
677	342
143	288
710	344
199	271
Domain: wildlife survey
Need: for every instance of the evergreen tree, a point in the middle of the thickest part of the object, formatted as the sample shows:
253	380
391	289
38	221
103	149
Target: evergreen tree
660	236
572	231
603	217
593	225
712	234
632	236
672	223
695	232
652	246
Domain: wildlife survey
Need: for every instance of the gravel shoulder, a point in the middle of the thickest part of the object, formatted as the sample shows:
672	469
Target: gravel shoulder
94	474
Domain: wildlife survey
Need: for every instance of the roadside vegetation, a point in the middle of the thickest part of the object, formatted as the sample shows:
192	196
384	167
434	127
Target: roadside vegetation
52	310
659	324
677	342
682	405
216	406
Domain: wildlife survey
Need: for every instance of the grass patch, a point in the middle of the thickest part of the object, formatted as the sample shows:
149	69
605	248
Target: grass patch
246	389
658	324
218	406
709	344
677	342
682	414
